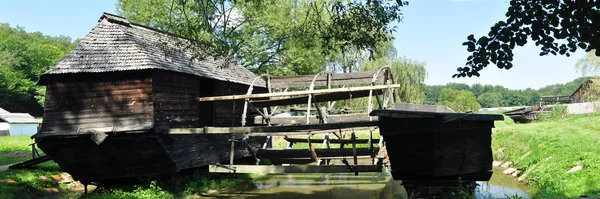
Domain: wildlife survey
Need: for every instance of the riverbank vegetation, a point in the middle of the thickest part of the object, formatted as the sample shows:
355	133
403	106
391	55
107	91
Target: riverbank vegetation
558	156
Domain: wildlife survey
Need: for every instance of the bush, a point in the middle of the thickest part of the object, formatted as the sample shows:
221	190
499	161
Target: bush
559	112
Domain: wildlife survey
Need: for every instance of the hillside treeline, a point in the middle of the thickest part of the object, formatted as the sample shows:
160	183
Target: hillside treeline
498	96
23	58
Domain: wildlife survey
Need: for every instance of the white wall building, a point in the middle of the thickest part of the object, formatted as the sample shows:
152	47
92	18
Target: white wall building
17	123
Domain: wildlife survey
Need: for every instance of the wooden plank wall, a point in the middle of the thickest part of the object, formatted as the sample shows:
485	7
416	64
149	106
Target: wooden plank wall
175	100
229	113
97	100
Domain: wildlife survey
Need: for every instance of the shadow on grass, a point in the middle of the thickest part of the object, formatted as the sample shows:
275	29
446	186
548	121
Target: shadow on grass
31	183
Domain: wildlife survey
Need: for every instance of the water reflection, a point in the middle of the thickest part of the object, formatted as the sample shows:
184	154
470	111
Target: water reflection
501	186
346	186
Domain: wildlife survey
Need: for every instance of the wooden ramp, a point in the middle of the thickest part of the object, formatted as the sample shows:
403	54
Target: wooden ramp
30	163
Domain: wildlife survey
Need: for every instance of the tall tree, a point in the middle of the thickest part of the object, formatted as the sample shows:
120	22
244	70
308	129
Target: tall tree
559	27
279	36
492	99
459	100
23	58
410	74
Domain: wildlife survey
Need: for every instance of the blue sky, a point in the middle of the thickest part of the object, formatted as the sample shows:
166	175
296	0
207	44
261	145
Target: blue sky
432	32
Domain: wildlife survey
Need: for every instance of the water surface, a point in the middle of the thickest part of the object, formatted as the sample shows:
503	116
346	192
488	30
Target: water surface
349	186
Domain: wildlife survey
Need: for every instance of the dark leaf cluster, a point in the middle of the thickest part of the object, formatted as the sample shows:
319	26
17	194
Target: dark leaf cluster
558	27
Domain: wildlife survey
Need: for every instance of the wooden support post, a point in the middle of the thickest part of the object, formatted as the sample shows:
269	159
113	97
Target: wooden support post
354	151
326	141
245	143
308	109
290	144
326	145
33	151
231	153
329	106
343	136
378	102
371	145
322	118
267	143
313	154
259	112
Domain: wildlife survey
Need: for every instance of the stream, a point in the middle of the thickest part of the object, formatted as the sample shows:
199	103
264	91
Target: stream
365	185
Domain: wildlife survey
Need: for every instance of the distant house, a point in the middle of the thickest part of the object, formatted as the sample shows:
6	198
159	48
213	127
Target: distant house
579	95
17	123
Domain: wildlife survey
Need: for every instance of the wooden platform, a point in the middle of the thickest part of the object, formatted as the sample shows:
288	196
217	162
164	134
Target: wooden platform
273	130
294	169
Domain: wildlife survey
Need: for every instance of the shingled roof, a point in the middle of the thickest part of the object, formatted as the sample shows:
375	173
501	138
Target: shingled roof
115	44
18	118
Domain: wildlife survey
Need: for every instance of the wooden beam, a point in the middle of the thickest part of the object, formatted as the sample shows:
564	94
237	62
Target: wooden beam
306	153
313	119
316	98
280	133
431	115
293	169
292	93
292	128
332	141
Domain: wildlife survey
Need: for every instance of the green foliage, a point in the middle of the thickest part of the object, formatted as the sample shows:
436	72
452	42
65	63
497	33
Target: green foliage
559	27
185	186
410	74
589	65
279	36
546	150
492	99
459	100
14	149
562	89
23	58
559	112
498	96
151	191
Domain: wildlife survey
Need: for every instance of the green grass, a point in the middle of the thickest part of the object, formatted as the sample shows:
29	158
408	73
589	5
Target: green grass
546	150
32	183
184	186
14	149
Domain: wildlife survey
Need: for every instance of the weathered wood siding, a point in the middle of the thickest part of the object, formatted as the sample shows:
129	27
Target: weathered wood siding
434	148
229	113
98	100
175	100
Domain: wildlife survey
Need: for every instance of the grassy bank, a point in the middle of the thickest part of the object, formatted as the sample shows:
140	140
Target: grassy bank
546	150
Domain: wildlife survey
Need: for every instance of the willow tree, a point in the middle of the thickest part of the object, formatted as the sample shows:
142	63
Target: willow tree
589	66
